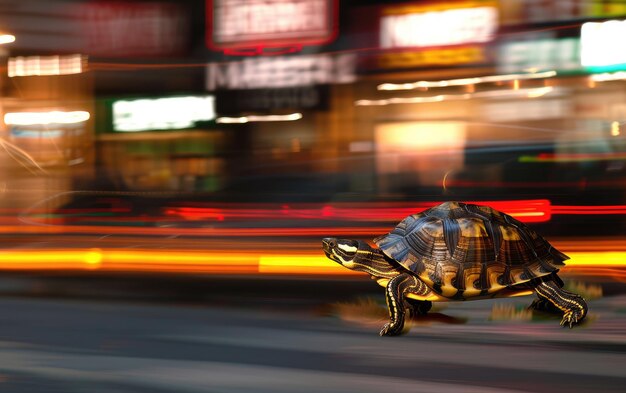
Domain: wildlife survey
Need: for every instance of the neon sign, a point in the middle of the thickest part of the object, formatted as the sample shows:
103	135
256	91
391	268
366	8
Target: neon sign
251	27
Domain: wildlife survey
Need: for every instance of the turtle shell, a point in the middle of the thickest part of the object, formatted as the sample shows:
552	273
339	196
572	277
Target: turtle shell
462	250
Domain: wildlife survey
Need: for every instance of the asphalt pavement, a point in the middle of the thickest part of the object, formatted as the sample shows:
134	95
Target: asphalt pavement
297	341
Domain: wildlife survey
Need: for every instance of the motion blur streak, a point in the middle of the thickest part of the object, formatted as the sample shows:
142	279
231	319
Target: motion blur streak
225	262
524	210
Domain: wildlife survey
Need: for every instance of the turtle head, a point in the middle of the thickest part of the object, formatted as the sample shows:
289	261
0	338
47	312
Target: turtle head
342	251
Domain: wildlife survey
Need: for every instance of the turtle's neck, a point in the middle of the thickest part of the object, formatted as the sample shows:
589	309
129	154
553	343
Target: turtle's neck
374	262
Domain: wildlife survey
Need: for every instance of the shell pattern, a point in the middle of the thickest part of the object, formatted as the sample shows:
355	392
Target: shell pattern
462	250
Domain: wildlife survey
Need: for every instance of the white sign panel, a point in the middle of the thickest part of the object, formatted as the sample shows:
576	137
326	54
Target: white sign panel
439	28
603	44
162	113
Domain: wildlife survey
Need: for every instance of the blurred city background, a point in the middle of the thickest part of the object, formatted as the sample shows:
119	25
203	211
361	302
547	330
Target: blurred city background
197	151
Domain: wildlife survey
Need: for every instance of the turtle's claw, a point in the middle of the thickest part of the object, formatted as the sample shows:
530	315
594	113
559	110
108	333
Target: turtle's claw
570	319
391	329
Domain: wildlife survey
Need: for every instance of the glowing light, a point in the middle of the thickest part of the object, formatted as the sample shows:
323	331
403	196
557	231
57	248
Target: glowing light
234	262
93	258
300	264
608	76
465	81
539	92
167	113
438	28
607	258
615	128
246	119
602	44
6	38
45	65
42	118
525	210
525	93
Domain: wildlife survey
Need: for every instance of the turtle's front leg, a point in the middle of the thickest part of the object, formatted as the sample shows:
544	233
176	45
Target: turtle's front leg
397	288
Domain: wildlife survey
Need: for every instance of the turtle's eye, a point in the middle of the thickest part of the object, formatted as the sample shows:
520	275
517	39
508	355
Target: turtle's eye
332	244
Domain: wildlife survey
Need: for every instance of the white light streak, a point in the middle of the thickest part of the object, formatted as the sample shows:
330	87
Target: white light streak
6	38
523	93
465	81
43	118
609	76
246	119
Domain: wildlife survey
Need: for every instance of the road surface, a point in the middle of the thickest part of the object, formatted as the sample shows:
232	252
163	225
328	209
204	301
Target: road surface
73	345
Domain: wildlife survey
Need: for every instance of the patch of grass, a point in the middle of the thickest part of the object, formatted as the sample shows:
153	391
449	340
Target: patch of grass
588	291
510	312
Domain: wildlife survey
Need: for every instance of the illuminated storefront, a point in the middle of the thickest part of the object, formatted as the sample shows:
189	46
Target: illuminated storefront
161	143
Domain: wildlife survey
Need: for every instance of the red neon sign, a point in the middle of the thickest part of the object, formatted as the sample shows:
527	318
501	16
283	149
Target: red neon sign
269	27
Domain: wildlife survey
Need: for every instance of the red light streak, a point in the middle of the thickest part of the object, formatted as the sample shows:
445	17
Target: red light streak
524	210
575	157
589	210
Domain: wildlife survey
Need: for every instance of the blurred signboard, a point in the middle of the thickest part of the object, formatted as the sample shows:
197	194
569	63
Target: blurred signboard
45	65
602	45
130	29
167	113
517	12
261	100
281	72
559	54
251	27
49	137
436	34
437	25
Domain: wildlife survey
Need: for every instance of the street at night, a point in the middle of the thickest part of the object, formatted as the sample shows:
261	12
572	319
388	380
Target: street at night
247	196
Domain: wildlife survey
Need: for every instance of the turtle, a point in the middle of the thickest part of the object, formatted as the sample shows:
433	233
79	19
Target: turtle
459	251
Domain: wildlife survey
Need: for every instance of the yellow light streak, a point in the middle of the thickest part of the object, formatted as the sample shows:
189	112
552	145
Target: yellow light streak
606	258
224	262
301	264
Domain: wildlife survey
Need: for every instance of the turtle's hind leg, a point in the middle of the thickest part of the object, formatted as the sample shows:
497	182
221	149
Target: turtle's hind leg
395	293
418	307
573	306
